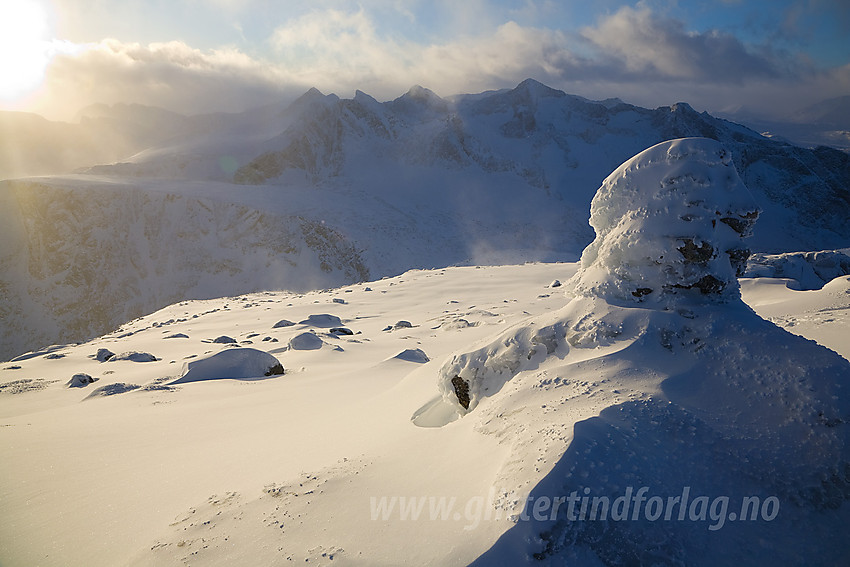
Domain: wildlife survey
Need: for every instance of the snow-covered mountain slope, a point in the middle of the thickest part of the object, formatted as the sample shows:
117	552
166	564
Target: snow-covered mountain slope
695	393
284	468
807	270
492	416
420	181
78	259
536	138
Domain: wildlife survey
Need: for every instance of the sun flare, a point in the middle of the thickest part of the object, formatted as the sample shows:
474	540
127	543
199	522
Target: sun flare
24	47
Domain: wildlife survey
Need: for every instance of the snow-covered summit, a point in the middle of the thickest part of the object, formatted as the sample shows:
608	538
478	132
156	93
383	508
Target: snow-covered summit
703	393
670	219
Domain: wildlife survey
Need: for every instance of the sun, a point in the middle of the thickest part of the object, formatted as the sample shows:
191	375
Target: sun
24	48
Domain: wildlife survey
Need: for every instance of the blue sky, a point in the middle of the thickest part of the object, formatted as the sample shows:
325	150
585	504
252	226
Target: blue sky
768	57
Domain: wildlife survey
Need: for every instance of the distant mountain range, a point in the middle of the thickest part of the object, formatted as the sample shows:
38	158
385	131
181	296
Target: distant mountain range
826	123
325	191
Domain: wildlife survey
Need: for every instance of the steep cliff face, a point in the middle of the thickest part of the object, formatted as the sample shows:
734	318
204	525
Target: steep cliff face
79	261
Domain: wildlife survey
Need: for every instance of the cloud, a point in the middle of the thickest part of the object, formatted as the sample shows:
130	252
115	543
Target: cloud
633	53
172	75
636	41
335	49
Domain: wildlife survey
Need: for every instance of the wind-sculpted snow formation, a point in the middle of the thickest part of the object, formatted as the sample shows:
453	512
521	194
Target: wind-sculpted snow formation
671	218
666	380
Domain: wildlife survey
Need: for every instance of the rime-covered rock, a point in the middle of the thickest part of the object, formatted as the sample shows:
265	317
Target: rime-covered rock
672	218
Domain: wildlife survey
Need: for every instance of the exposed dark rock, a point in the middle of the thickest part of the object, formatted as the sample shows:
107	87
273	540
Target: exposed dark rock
275	370
461	387
283	323
697	254
741	225
224	339
709	284
341	331
641	291
738	258
103	354
80	381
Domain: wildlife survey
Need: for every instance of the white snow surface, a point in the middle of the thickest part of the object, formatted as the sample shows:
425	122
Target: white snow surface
224	472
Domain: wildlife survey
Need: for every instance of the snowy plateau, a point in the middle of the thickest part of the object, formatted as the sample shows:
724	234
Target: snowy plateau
516	327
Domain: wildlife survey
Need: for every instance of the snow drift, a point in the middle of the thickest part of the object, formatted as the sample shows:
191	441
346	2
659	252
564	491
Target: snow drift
231	363
667	380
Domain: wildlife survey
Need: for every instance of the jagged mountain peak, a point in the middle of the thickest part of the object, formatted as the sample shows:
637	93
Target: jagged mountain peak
312	98
364	98
419	102
418	92
683	107
536	89
312	93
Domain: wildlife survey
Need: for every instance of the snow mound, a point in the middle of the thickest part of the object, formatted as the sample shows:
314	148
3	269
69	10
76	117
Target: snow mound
133	357
413	355
323	321
80	381
231	363
305	341
103	354
112	390
670	219
177	336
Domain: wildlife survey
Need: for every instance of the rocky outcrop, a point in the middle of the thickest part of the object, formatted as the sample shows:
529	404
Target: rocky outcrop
77	261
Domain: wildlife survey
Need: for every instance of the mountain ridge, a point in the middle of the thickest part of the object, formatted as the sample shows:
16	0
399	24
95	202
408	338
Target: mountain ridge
421	181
